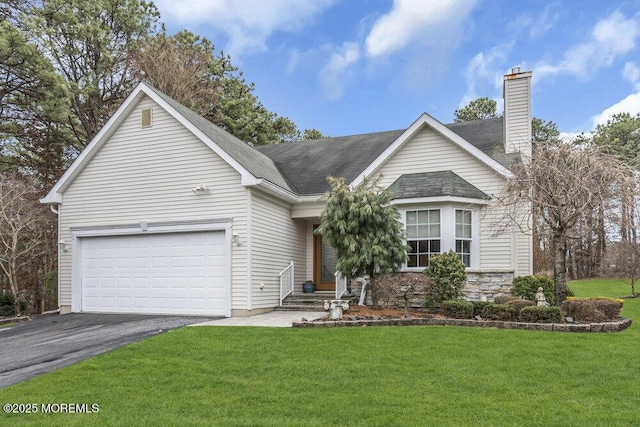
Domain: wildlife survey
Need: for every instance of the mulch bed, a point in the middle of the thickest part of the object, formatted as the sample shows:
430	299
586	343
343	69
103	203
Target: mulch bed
387	316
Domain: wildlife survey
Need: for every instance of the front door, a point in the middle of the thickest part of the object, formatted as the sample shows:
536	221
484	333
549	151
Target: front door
324	264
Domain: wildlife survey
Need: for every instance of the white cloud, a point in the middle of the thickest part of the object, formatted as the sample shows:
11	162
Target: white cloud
631	72
430	22
569	137
537	25
485	67
337	71
246	23
611	38
630	104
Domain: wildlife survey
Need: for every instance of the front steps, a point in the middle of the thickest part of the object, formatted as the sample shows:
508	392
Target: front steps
312	301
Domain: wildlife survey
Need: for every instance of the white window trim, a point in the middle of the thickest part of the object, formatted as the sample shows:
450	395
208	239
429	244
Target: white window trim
448	229
404	218
464	239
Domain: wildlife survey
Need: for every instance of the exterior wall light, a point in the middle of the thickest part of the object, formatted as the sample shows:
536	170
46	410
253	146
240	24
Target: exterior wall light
64	246
200	189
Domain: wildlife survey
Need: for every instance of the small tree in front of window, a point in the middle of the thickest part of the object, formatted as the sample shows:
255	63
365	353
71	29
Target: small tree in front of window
448	275
366	230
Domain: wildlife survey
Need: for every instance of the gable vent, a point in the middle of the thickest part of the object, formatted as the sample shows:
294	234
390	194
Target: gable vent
146	117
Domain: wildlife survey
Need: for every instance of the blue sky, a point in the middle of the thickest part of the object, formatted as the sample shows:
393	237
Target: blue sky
355	66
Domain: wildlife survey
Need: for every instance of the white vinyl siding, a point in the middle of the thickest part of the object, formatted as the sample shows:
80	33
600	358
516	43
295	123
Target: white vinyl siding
428	151
518	115
148	175
276	240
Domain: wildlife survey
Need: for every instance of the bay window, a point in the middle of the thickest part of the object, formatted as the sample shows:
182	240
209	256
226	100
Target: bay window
463	235
423	236
439	229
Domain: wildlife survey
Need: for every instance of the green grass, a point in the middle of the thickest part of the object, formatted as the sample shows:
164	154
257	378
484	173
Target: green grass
369	376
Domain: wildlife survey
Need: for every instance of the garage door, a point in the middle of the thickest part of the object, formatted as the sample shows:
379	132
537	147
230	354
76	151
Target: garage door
172	273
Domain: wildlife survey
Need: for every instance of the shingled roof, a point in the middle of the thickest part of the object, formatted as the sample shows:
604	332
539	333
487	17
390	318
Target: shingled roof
434	184
303	167
306	164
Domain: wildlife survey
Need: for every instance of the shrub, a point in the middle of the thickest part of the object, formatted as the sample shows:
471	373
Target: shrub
447	273
458	309
503	299
503	312
610	307
527	288
478	306
6	304
592	309
51	290
535	314
520	304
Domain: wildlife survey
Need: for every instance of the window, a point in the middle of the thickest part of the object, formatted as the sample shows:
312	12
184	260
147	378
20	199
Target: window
423	236
463	235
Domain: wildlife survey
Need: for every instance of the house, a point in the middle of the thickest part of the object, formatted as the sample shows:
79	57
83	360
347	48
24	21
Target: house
164	212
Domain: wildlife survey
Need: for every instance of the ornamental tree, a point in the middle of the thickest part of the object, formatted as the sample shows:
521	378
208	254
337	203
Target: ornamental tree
365	229
574	192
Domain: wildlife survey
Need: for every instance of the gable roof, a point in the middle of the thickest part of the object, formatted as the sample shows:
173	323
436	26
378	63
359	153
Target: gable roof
299	169
434	184
425	120
255	162
253	167
307	164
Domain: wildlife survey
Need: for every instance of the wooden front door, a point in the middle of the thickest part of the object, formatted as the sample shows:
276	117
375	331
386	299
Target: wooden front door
324	264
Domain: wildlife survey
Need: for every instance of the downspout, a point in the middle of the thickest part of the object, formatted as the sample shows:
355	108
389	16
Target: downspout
249	271
55	208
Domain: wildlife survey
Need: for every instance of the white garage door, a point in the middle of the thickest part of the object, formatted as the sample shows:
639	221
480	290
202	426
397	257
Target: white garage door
172	273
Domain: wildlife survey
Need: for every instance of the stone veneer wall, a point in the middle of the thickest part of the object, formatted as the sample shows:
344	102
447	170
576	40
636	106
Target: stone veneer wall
480	286
487	284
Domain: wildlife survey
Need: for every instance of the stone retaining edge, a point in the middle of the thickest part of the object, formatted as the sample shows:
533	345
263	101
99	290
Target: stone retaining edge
615	326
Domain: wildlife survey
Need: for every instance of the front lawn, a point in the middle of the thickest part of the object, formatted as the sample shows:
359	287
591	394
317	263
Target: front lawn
385	376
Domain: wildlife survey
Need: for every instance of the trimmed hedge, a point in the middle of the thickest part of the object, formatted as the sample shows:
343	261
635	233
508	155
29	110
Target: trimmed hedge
478	306
535	314
503	299
592	309
527	288
520	304
504	312
458	309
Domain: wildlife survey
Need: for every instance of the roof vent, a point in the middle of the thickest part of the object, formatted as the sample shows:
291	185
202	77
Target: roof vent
515	70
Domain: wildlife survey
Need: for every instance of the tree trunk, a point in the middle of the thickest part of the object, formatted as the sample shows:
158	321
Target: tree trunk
574	264
374	289
560	267
13	284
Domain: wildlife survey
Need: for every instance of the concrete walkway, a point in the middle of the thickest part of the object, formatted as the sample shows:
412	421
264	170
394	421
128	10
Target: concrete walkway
281	319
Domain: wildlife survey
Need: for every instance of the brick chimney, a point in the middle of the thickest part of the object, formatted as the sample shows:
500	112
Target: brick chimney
517	112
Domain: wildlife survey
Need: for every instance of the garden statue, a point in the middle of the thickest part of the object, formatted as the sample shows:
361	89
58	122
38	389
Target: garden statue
541	299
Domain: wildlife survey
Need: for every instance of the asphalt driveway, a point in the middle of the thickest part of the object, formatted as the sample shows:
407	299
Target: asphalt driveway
30	348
